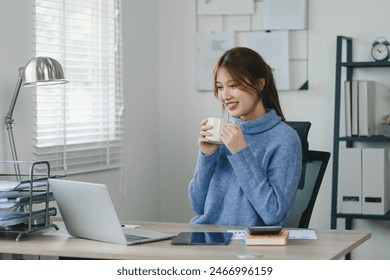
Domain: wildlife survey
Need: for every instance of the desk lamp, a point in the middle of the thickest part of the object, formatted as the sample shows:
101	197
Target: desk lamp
39	71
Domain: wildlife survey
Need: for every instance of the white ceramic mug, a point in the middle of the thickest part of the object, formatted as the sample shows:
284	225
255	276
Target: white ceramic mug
217	125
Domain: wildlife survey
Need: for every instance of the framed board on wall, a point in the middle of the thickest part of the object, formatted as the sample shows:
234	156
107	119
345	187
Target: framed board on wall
225	7
210	46
246	27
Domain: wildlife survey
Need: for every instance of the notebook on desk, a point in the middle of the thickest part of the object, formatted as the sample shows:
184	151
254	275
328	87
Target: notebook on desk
88	212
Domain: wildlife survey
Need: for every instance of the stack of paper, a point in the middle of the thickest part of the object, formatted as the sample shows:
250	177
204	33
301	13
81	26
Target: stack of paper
15	198
6	186
11	218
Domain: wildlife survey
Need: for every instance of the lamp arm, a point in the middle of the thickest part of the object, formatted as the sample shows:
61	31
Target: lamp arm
9	121
8	118
13	153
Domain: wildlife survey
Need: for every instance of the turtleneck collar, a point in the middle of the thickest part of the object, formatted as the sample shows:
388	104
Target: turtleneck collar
259	125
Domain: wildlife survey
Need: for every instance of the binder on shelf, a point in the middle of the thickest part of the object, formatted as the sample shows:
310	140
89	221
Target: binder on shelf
366	108
375	181
349	181
347	108
354	108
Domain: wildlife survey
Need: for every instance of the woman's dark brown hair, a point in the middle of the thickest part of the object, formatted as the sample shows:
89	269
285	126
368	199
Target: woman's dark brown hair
252	74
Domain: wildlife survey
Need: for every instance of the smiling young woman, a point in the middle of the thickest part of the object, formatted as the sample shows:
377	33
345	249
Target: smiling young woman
252	177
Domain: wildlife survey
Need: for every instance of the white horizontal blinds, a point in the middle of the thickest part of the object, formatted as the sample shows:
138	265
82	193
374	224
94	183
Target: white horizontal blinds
78	125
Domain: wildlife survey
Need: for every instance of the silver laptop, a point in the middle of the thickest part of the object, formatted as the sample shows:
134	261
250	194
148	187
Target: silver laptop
88	212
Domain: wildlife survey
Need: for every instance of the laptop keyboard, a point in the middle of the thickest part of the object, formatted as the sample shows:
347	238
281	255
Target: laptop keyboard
132	237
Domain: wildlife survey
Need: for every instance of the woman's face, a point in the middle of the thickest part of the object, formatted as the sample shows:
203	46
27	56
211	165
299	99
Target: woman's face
239	103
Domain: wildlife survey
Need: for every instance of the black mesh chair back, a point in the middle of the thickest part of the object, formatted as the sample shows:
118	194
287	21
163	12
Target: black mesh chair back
313	170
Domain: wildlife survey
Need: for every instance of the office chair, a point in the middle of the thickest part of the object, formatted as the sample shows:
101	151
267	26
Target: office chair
314	165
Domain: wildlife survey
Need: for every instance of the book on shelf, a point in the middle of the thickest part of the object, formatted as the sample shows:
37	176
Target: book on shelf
280	238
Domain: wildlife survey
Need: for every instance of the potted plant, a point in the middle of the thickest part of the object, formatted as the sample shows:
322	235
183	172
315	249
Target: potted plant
385	122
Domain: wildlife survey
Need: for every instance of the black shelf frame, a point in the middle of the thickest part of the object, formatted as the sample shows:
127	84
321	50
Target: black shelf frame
374	138
366	64
348	64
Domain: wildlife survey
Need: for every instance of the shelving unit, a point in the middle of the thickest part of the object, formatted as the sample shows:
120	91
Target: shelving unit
29	211
349	65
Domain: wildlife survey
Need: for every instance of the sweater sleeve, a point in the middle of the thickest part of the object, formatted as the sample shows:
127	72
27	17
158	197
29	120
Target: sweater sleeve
271	189
199	185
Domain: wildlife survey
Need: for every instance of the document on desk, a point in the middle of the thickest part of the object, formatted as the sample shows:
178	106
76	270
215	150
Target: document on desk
302	234
293	234
238	234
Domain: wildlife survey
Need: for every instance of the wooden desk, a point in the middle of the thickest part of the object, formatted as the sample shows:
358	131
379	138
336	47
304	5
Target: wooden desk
331	244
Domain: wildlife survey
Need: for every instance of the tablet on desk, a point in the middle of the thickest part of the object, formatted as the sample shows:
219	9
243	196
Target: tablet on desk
202	238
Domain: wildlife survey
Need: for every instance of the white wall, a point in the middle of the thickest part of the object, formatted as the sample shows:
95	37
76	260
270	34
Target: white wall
141	198
15	51
163	109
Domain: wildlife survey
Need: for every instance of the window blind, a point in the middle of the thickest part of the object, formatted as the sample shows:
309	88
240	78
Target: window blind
78	126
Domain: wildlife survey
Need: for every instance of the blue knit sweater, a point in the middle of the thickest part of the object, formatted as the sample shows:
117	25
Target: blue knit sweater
255	186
